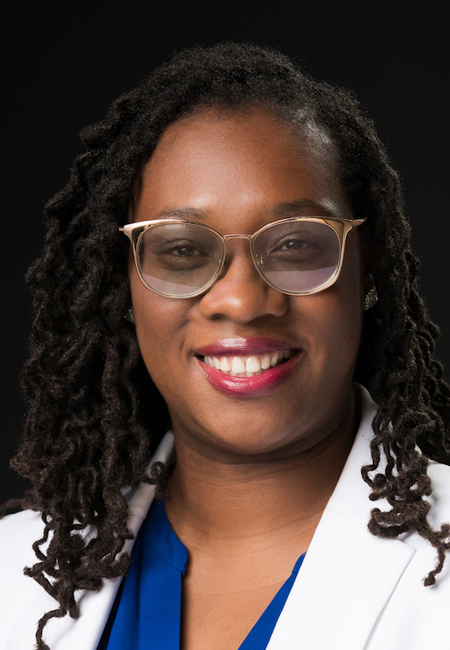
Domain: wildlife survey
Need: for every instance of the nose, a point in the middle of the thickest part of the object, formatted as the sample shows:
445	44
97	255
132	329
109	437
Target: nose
240	293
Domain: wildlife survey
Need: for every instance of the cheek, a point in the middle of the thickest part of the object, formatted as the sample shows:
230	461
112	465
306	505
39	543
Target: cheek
334	318
333	323
159	323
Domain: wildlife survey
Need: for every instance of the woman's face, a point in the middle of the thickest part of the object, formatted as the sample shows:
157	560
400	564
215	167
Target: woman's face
233	172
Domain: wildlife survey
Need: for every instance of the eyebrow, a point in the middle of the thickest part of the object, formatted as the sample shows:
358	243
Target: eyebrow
182	213
307	207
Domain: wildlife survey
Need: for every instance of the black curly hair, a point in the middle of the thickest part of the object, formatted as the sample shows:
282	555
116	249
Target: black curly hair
90	431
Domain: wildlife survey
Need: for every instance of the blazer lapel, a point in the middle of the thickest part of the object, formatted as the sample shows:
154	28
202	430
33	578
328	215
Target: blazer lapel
348	574
85	632
345	580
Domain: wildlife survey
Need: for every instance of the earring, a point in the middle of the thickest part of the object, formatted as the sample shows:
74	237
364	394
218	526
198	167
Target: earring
371	299
129	315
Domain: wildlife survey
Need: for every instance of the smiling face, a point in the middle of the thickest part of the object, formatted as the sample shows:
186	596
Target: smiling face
235	173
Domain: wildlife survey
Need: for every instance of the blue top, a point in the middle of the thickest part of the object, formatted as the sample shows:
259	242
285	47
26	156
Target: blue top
148	605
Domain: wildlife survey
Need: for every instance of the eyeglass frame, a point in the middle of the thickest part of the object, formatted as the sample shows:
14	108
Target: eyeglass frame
135	230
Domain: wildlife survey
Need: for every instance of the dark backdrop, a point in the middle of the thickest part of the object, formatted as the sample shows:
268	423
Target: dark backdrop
63	63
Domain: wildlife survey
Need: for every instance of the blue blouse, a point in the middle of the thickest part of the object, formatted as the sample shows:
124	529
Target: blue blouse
148	604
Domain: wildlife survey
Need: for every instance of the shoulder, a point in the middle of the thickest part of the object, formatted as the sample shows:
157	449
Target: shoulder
417	616
18	532
19	594
440	498
23	601
23	520
439	515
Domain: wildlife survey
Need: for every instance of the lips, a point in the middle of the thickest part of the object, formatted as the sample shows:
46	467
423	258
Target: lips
243	346
246	368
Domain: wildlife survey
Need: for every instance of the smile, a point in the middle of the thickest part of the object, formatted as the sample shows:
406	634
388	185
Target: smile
248	366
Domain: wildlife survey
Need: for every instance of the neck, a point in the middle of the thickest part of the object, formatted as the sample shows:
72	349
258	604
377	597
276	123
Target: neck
226	502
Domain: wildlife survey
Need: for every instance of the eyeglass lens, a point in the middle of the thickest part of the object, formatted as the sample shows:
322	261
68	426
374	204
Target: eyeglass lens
298	256
181	259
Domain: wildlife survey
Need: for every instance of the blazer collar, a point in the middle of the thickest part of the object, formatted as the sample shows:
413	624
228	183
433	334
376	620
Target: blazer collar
348	574
344	583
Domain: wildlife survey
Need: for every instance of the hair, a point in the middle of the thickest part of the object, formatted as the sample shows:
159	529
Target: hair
95	416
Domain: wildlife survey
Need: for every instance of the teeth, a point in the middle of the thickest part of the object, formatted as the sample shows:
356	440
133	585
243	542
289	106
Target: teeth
248	366
253	364
237	365
224	365
265	362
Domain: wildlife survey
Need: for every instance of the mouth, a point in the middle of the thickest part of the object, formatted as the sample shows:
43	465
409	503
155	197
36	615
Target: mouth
250	365
246	368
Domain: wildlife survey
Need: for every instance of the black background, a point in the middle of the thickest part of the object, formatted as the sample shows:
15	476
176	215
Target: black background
63	62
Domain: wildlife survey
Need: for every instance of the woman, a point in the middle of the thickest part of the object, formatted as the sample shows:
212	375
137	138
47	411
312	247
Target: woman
229	257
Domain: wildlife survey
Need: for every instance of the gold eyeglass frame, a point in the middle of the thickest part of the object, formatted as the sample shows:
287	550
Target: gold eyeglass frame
134	232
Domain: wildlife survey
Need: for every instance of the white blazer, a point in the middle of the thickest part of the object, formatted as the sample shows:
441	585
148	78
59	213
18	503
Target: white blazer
354	591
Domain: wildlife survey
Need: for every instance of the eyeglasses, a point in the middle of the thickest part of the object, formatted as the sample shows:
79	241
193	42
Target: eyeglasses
182	259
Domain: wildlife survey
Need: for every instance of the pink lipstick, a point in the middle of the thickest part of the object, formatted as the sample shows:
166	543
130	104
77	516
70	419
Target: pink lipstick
247	368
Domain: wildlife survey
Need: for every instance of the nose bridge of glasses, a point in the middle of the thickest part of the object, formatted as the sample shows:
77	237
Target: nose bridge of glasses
226	238
237	236
249	238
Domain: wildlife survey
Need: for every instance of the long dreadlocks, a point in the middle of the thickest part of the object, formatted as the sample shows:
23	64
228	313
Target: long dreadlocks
94	414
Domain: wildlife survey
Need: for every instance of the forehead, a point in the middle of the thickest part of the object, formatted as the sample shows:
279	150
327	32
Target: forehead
238	161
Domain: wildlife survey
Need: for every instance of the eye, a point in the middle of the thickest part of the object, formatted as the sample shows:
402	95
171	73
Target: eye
182	250
177	255
293	244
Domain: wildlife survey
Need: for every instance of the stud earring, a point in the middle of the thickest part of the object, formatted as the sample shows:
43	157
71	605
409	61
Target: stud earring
371	299
129	315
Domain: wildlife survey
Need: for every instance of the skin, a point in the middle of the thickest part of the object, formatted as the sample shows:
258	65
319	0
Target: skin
252	476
